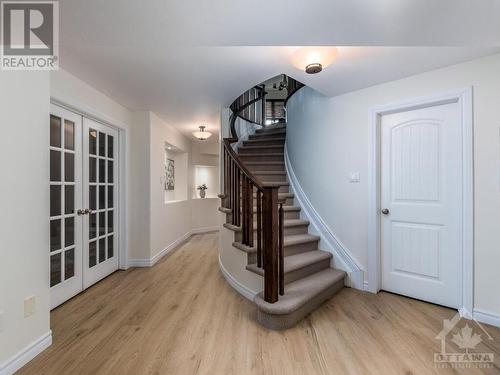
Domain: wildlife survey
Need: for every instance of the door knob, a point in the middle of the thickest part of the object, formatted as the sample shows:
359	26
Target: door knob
385	211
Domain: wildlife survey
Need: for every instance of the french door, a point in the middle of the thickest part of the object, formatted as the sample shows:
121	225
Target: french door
83	203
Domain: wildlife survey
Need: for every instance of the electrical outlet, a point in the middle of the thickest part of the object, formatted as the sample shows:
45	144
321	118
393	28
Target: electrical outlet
29	306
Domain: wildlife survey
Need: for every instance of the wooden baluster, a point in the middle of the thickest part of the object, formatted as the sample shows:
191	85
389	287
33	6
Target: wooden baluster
226	179
250	213
270	243
263	108
229	196
231	167
238	187
233	189
244	210
281	250
259	228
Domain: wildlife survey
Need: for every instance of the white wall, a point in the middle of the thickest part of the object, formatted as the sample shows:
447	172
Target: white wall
169	221
24	224
329	137
139	209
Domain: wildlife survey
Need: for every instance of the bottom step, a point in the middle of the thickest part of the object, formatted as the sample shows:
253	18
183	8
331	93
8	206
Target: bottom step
301	297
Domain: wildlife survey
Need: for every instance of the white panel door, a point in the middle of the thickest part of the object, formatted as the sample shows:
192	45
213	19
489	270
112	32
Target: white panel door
421	203
100	196
65	249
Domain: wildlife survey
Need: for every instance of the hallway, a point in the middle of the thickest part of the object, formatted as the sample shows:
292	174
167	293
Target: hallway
181	317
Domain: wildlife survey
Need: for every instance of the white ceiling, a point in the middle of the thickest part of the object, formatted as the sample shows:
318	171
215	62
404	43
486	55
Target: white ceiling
185	59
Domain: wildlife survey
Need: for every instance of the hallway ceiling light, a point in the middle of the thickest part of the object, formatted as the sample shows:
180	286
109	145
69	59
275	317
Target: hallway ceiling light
313	59
202	135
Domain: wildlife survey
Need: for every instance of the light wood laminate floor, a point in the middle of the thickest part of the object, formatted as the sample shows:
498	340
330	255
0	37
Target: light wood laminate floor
181	317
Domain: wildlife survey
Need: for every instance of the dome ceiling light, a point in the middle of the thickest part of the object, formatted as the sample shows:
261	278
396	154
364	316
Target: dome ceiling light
313	60
202	135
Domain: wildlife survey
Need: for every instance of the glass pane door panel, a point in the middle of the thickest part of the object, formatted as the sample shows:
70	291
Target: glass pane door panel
55	131
92	142
69	264
69	135
100	184
92	253
65	197
55	269
55	165
55	234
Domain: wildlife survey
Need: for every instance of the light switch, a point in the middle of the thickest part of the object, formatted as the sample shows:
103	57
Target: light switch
354	177
29	306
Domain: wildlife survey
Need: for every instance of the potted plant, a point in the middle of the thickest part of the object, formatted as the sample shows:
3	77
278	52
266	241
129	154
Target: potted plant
202	189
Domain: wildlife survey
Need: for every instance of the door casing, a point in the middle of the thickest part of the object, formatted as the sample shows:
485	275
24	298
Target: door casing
466	262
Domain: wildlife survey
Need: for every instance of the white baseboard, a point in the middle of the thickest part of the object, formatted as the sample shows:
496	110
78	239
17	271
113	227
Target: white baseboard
240	288
26	355
174	245
153	260
486	317
205	230
355	274
139	263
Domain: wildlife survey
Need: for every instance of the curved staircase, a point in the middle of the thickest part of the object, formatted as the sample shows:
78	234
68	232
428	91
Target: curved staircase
307	276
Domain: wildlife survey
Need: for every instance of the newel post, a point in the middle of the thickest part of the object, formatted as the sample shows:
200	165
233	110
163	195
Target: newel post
270	243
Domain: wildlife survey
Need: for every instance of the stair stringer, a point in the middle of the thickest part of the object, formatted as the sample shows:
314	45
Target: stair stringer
342	257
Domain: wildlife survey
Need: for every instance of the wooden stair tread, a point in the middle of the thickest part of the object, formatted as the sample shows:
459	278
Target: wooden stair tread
271	127
280	130
261	154
258	147
297	261
283	173
288	223
264	163
280	183
264	140
289	240
299	292
285	208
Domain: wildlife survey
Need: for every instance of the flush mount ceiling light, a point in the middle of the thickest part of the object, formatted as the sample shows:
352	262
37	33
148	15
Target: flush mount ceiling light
202	135
313	59
314	68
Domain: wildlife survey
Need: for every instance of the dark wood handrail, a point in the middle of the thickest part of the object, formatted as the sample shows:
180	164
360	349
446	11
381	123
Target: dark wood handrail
237	113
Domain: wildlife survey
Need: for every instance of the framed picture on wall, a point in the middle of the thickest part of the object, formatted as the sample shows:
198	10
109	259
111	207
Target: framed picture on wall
169	174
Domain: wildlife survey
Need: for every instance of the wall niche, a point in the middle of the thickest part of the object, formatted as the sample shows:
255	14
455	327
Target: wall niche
175	175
